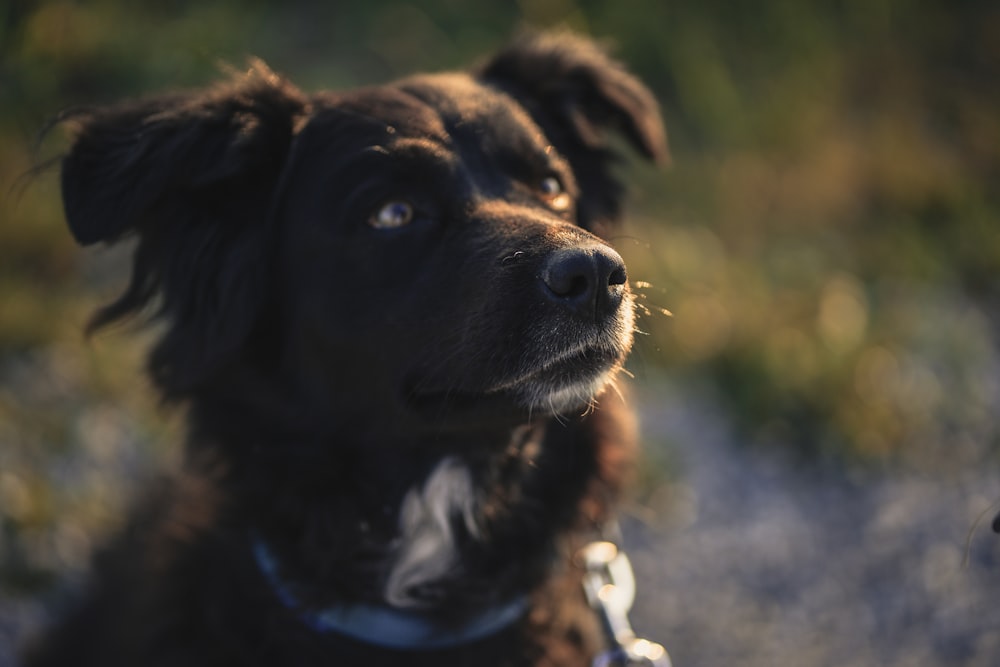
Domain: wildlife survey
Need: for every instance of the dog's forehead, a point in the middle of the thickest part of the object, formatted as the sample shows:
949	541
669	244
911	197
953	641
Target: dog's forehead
446	107
468	107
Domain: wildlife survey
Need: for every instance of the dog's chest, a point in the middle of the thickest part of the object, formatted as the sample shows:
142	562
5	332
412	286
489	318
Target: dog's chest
427	543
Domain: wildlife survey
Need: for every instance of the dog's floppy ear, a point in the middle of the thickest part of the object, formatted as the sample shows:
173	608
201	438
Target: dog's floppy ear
191	176
576	93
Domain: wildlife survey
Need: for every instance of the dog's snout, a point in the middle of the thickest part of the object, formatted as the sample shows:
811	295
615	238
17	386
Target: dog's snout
588	281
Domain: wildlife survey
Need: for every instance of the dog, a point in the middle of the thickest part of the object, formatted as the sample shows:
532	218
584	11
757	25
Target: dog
397	332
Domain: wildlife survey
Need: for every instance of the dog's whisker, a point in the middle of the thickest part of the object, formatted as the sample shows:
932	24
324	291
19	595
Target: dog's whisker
613	385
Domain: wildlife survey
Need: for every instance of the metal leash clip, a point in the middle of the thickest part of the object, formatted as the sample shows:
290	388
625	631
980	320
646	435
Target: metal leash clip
610	588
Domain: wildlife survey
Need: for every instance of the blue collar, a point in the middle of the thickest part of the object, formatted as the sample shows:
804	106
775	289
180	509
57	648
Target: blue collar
387	626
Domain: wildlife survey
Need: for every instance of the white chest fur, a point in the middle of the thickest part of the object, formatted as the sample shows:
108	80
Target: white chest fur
427	549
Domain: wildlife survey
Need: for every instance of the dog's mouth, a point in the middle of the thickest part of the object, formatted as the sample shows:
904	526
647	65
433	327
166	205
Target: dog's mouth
570	368
562	382
569	381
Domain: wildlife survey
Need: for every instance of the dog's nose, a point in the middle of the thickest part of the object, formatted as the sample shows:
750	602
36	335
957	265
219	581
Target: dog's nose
589	281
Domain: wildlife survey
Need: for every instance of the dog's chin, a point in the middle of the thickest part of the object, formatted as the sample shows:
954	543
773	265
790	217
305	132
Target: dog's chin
562	397
558	386
567	383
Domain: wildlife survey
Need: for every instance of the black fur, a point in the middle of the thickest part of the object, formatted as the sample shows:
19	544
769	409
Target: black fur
330	366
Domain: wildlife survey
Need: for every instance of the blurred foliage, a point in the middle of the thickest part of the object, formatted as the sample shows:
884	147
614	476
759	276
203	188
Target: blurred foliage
827	236
832	248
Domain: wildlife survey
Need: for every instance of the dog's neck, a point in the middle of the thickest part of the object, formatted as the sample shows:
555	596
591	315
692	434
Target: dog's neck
399	530
417	568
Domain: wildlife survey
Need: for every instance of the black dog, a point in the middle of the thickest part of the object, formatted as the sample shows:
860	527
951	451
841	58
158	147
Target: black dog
393	322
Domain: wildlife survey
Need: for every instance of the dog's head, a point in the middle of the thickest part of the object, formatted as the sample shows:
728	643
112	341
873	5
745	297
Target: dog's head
403	253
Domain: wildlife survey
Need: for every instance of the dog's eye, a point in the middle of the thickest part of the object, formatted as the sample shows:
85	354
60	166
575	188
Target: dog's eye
553	193
392	215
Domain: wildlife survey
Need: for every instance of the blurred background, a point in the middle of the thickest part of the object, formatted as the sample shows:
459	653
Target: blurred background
821	411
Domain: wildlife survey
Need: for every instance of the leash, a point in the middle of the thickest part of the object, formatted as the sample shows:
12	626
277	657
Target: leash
609	585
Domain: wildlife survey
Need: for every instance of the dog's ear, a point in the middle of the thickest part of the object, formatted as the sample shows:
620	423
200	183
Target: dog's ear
192	177
577	93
